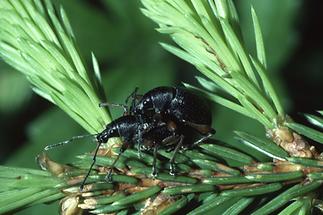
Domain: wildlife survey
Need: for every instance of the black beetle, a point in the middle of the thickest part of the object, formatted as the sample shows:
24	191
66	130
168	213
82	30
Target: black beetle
170	104
145	135
176	104
135	132
158	119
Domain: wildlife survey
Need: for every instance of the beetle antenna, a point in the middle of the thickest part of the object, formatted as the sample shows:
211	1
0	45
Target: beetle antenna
107	104
49	147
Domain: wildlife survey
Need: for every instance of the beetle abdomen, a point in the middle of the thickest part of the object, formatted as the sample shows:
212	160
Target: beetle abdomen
190	108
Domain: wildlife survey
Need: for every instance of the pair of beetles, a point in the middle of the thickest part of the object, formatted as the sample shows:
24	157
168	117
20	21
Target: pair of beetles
161	118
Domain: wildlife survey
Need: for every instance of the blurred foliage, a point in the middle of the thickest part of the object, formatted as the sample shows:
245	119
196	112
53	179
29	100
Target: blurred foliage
279	41
14	90
126	47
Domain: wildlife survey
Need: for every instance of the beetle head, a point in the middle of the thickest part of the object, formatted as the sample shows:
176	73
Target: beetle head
144	105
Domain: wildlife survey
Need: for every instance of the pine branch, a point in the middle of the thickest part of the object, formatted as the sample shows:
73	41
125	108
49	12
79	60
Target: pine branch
202	178
207	35
41	45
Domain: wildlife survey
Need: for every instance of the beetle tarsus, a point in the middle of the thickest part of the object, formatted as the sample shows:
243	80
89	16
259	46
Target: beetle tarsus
154	168
202	139
108	177
172	160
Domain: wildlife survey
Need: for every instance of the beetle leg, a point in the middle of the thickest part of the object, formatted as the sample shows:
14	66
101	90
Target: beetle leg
202	129
199	141
91	167
139	149
170	140
132	95
170	149
139	142
142	130
108	177
135	97
154	172
172	160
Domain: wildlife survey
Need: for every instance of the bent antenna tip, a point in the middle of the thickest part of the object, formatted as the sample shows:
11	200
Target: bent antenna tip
47	148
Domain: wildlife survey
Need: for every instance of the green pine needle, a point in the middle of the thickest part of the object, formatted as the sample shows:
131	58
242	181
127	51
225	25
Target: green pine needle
315	120
42	46
208	36
306	131
22	187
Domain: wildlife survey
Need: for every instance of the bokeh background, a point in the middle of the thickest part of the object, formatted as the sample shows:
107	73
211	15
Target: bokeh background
126	46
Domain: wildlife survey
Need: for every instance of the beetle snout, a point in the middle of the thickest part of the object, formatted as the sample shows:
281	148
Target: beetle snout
102	137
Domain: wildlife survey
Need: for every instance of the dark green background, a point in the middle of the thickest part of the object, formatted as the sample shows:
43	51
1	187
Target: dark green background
126	45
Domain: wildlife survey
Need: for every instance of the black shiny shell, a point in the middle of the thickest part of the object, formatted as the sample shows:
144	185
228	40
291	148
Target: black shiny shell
189	107
179	104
